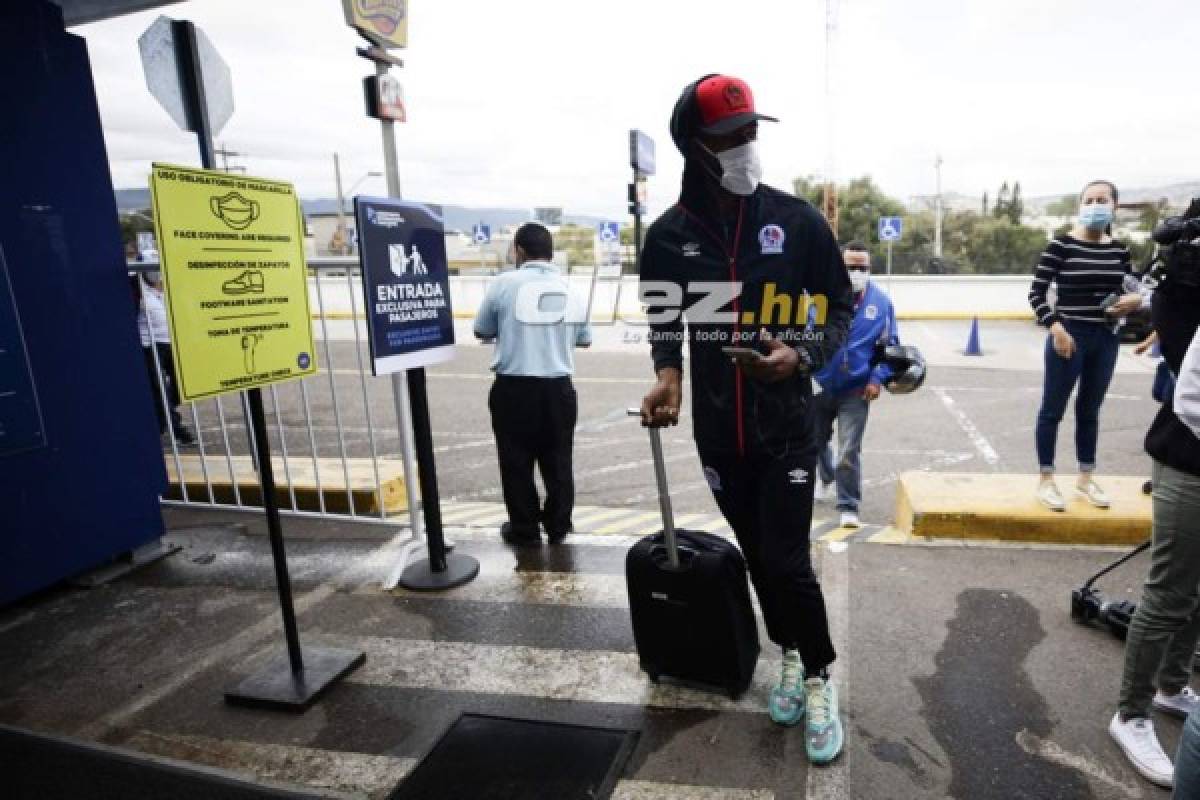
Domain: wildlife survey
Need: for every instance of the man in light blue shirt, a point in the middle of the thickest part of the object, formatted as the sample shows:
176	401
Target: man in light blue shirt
536	324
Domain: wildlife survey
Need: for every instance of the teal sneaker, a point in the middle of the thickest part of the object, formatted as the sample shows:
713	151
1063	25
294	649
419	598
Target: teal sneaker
823	737
786	703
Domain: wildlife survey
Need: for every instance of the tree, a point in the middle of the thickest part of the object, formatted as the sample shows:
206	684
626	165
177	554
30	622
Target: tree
1149	218
860	205
971	242
134	223
985	204
1065	206
1000	209
1016	206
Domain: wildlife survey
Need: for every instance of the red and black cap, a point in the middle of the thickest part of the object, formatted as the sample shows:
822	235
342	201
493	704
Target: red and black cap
725	104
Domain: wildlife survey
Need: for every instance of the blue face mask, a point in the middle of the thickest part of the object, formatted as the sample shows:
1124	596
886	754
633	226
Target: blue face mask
1095	216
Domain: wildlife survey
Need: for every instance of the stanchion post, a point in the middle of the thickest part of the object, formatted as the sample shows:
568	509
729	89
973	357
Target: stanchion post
288	683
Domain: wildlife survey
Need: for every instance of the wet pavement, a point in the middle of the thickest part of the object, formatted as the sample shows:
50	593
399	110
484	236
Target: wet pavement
962	674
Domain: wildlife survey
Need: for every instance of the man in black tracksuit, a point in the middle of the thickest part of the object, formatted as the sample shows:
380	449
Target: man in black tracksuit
745	262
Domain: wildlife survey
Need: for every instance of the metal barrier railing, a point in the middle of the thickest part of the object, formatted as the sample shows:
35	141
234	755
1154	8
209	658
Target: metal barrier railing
299	440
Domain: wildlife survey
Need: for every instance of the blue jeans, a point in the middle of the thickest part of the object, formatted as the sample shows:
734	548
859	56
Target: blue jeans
1187	761
1091	366
850	413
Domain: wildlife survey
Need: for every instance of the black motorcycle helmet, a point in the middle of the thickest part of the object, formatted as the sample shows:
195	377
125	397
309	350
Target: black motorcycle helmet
908	367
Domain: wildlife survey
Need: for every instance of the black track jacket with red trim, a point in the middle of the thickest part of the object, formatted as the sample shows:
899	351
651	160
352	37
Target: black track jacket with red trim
767	257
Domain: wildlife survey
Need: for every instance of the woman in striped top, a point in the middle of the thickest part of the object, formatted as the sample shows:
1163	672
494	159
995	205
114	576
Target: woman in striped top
1087	268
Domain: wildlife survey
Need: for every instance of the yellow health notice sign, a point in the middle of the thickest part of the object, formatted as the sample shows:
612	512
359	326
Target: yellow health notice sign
232	251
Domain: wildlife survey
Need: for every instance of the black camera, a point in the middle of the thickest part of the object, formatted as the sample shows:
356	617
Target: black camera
1177	262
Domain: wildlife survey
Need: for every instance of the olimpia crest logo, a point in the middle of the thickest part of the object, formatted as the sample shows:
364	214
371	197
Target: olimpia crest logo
385	15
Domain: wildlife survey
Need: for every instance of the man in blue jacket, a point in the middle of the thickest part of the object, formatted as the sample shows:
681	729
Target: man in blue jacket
850	384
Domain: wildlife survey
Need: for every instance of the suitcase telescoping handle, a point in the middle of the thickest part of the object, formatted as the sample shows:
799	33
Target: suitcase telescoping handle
664	495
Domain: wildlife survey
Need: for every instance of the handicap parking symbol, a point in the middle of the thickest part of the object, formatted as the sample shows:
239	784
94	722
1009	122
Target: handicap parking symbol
890	229
483	233
608	232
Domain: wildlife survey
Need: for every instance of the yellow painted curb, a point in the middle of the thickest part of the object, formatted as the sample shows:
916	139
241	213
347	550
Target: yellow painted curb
332	485
1005	508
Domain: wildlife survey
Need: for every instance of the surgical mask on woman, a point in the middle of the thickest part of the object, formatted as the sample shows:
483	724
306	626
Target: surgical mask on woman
858	279
741	171
1096	216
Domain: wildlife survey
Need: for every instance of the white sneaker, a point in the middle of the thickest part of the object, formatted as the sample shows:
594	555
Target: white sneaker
1177	705
1049	496
1136	737
1093	494
824	490
850	520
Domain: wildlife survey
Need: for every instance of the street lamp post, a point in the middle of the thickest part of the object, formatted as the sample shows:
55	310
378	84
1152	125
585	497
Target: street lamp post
341	200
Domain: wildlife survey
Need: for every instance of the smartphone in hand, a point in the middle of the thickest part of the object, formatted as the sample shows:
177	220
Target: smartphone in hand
742	354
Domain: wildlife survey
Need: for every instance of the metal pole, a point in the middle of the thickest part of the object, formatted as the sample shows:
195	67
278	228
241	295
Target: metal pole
193	90
423	434
283	581
889	266
437	571
341	201
400	388
937	223
637	222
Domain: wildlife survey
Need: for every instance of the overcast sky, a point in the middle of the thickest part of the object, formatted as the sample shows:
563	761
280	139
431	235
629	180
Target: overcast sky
529	102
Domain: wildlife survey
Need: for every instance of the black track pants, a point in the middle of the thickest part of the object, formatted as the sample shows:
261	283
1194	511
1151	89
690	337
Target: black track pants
768	503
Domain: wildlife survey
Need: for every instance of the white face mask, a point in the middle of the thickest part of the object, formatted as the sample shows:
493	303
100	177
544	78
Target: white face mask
858	279
741	170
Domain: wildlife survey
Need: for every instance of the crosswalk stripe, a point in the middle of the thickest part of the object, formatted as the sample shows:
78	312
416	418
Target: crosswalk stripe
494	516
582	589
651	790
638	523
587	676
458	515
865	533
838	534
630	523
339	771
363	773
597	516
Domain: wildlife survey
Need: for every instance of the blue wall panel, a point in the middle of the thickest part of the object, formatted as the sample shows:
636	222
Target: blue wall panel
88	490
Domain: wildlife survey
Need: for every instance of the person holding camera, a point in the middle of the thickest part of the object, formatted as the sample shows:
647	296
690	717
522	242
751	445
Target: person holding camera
1088	269
1162	638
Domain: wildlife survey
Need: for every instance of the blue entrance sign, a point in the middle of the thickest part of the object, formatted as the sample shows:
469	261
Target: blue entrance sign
406	283
20	417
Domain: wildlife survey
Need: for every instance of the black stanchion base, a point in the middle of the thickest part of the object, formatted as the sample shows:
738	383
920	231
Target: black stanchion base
419	577
277	688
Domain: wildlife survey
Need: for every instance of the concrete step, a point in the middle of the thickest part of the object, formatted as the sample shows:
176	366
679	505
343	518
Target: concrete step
1005	507
337	483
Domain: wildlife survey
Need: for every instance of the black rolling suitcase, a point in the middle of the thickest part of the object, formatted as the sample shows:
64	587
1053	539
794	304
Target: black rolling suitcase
690	602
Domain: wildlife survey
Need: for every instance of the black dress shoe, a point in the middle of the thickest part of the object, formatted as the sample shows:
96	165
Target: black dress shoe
519	539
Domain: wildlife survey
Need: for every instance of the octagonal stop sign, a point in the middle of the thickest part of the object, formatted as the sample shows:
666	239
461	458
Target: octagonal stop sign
162	47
